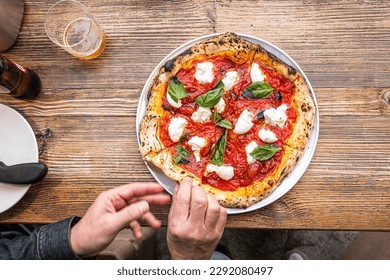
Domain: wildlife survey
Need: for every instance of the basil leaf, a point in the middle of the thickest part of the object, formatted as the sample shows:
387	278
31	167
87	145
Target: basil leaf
182	153
219	152
258	90
264	152
181	150
221	122
177	159
176	89
216	117
225	123
212	97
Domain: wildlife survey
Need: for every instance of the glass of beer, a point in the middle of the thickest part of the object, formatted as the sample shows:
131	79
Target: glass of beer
71	26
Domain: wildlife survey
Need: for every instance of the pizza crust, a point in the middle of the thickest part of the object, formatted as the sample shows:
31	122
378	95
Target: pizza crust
239	51
230	199
304	106
273	62
149	139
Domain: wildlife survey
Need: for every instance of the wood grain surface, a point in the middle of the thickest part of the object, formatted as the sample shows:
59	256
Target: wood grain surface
84	118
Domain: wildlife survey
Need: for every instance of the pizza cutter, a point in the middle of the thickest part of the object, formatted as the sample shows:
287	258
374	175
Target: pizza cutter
11	15
21	174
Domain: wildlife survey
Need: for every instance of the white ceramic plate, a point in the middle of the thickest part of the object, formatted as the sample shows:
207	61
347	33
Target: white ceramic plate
299	169
17	145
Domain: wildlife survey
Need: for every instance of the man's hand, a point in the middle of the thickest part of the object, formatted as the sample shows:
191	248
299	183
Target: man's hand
195	223
113	211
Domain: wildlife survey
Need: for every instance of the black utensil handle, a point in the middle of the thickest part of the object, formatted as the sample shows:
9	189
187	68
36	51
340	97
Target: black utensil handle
25	173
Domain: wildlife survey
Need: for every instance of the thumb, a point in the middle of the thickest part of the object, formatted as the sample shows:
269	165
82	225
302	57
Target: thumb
132	212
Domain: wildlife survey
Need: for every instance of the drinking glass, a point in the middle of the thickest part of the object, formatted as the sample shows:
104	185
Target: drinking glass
71	26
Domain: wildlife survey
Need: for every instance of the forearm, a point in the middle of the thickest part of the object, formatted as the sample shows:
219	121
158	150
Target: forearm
47	242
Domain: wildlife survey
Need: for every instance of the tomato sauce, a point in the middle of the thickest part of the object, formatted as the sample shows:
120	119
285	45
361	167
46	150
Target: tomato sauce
281	85
244	79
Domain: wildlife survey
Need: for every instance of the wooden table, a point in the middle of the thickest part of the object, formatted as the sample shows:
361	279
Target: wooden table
84	119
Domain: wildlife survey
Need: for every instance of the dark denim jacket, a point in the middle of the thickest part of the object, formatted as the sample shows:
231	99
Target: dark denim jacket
45	243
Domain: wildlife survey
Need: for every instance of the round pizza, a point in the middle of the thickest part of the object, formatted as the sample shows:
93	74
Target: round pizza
231	116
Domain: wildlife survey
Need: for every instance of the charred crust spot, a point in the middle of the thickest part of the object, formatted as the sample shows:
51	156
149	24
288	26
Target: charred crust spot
169	64
291	70
304	107
261	50
187	51
283	174
182	172
142	144
272	56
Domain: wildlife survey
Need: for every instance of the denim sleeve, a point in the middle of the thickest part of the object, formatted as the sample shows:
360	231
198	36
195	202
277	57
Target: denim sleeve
48	242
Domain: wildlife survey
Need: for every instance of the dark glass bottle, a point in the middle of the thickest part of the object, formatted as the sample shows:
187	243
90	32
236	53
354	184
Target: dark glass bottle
21	82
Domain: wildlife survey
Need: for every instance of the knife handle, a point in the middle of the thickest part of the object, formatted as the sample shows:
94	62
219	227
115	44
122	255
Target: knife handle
25	173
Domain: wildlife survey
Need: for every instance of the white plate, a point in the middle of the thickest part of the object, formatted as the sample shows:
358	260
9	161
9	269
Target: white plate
17	145
299	169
